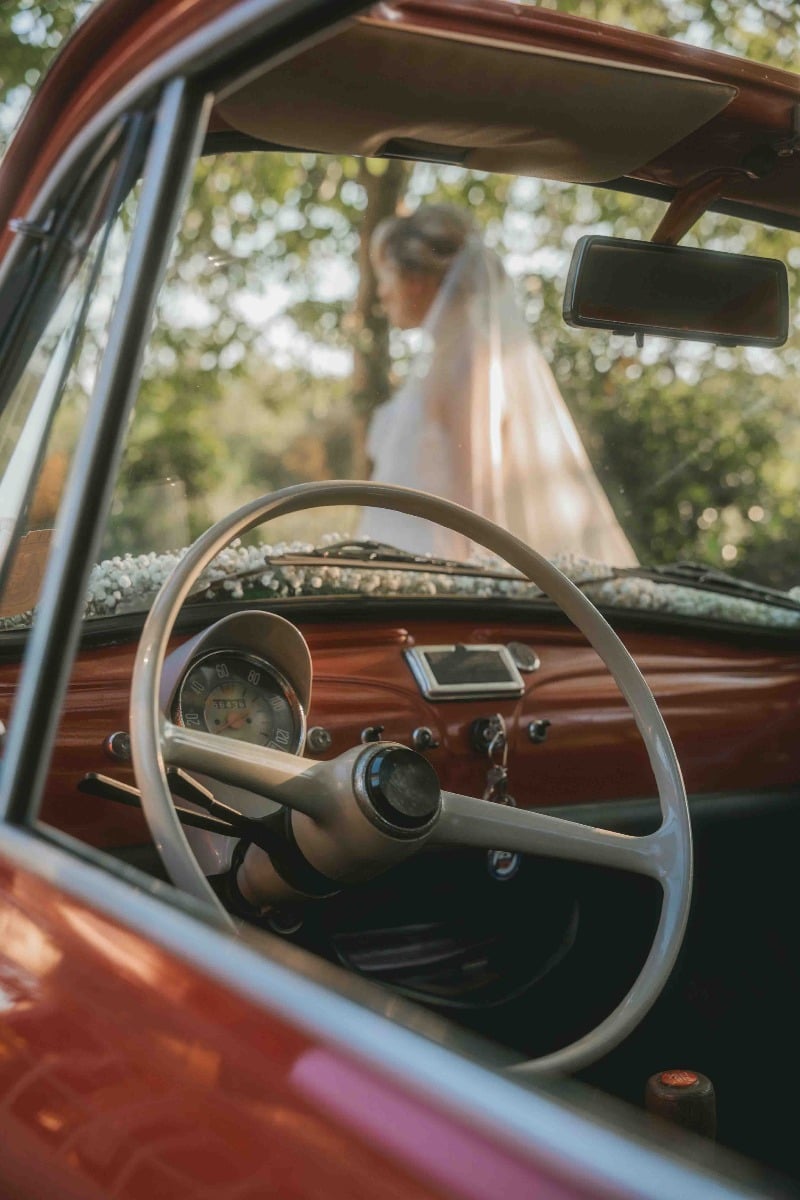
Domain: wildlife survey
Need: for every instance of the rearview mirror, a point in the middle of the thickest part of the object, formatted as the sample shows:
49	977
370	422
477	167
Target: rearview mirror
677	291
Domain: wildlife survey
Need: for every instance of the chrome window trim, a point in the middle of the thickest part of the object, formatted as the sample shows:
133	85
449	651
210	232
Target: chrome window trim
25	469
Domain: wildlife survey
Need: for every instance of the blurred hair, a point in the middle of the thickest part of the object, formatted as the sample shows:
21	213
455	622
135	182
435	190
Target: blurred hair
426	242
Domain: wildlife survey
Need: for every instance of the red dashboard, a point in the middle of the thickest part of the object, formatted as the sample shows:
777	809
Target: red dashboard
730	712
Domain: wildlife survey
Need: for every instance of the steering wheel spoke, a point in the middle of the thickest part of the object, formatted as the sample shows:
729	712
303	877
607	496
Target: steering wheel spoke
301	783
465	821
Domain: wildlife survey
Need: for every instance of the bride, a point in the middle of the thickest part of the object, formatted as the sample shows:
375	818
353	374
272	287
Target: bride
480	419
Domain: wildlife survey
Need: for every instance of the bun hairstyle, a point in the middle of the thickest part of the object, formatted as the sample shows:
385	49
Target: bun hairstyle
426	242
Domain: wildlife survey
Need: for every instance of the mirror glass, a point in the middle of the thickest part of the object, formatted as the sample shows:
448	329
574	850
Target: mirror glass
677	291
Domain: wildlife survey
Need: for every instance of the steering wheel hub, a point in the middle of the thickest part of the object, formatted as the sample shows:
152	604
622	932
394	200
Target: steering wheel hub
398	790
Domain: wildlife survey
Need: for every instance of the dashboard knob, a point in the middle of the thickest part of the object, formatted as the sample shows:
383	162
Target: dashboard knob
424	738
118	745
402	787
525	657
537	731
319	739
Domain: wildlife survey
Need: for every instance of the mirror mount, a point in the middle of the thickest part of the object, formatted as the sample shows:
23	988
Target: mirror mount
691	201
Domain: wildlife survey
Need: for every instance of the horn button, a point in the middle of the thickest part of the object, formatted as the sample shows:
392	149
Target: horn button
399	790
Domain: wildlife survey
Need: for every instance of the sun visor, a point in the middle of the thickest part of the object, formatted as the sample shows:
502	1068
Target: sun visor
372	88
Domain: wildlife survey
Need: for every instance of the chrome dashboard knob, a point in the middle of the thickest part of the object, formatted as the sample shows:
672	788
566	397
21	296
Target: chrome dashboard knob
424	738
319	739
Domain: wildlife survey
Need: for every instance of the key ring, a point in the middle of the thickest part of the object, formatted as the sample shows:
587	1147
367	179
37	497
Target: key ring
499	740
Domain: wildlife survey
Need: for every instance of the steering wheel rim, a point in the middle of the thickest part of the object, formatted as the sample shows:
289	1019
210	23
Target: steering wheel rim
665	855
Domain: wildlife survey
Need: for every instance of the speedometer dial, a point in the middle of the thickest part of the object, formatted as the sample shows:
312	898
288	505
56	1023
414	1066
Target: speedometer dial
242	697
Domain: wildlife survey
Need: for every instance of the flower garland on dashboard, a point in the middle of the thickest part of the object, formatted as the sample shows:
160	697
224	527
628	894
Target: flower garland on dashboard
128	583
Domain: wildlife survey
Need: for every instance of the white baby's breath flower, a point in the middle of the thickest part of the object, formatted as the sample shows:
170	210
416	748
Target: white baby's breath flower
129	583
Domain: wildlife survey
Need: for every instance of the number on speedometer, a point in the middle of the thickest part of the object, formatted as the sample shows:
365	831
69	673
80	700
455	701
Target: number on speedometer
240	697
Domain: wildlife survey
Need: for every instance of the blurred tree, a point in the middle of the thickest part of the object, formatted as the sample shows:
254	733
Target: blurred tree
764	30
383	184
30	33
265	313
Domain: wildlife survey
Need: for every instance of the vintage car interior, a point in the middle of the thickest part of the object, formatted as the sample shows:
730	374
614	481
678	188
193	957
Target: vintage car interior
287	680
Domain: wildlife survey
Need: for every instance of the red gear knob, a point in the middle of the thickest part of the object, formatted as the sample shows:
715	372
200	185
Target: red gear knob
685	1098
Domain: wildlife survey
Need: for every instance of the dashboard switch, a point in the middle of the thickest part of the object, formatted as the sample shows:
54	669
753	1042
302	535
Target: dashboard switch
537	731
487	734
118	745
319	739
424	738
372	733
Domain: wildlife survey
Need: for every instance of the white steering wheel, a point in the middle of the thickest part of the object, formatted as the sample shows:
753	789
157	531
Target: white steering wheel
357	814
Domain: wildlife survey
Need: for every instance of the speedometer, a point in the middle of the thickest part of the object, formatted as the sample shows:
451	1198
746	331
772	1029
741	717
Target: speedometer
241	697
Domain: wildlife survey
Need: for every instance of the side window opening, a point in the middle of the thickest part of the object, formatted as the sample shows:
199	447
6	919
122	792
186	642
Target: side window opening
62	418
72	294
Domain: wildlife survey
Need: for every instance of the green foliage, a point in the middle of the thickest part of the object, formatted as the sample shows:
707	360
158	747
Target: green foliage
267	354
30	32
251	358
698	449
764	30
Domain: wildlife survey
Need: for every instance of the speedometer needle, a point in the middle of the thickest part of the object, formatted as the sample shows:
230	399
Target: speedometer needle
235	721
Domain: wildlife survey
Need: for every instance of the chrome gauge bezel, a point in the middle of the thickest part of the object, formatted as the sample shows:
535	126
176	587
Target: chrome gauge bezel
285	686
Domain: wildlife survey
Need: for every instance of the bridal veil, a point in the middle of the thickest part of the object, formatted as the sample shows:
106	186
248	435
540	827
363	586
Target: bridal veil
480	420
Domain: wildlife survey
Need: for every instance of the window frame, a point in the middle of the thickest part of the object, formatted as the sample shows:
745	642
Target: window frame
50	253
180	122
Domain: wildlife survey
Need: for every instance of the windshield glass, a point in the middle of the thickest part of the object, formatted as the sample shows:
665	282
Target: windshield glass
305	333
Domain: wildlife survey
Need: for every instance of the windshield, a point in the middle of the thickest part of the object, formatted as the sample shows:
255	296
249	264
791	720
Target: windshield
303	336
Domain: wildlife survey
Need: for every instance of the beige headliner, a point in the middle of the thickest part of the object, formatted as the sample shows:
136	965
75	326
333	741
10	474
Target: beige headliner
500	108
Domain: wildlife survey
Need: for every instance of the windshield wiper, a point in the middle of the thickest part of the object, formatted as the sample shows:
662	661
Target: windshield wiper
364	551
369	553
365	554
702	577
362	556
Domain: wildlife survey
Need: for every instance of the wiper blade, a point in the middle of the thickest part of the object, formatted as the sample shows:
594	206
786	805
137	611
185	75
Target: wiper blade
360	556
379	552
359	552
705	578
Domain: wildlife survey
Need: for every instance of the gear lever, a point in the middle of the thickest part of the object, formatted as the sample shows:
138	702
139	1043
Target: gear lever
685	1098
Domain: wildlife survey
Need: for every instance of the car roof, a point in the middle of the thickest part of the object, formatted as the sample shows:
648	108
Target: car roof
740	119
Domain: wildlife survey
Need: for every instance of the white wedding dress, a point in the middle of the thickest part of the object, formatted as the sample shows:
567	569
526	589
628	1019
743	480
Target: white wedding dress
481	421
